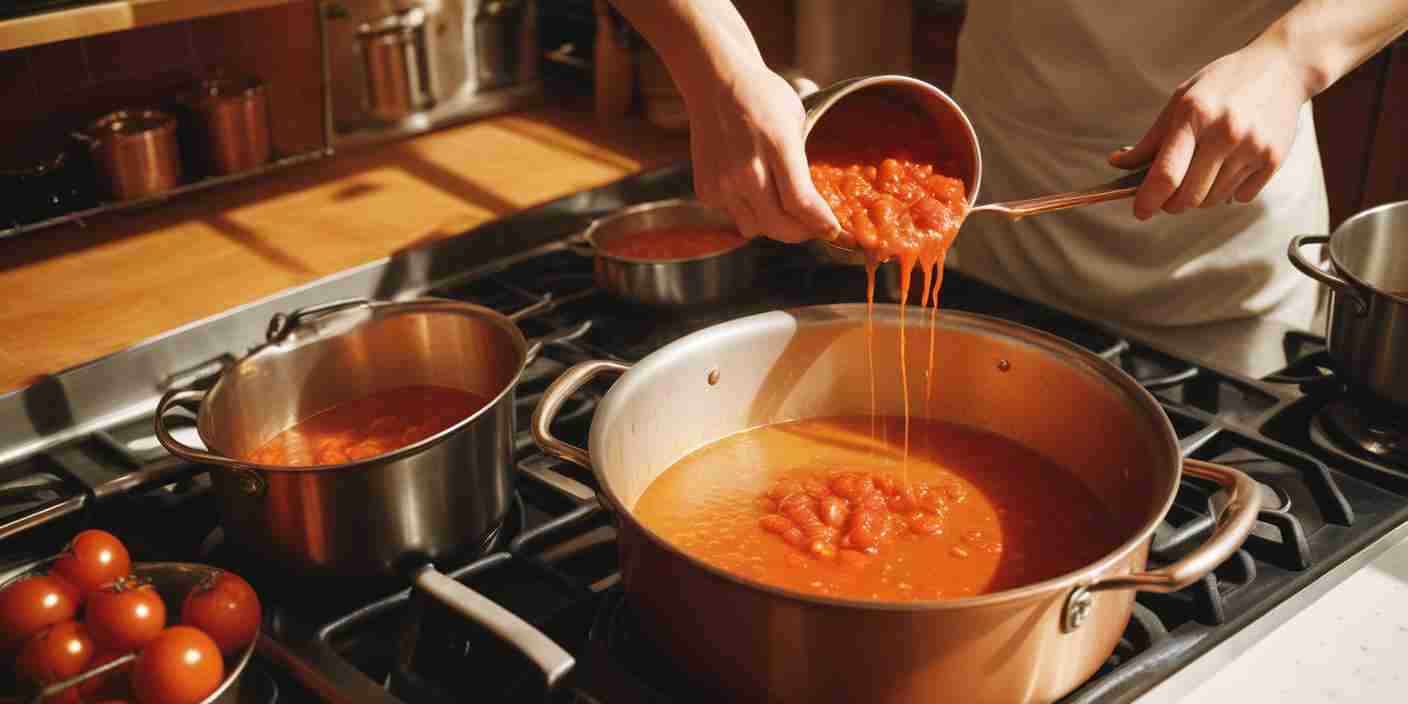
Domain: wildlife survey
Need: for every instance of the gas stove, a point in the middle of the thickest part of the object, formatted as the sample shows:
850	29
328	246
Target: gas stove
80	453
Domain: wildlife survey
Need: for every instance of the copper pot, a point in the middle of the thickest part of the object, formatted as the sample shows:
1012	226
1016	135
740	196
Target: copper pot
232	123
760	643
135	153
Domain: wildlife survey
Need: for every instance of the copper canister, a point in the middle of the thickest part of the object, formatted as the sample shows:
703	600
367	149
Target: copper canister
231	117
135	153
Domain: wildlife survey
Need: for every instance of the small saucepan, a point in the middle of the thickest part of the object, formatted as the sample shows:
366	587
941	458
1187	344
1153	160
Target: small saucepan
670	283
1367	328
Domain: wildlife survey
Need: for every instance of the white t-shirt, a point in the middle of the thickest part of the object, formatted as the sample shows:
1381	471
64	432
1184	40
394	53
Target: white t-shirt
1052	86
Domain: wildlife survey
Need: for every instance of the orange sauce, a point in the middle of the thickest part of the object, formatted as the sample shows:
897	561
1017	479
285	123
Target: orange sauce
673	243
885	172
811	506
370	426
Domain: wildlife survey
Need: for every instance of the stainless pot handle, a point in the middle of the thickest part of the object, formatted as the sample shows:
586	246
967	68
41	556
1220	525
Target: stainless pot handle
283	323
557	392
546	654
1309	268
250	482
1231	530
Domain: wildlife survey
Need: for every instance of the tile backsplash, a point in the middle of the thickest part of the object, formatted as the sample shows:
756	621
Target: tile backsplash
53	88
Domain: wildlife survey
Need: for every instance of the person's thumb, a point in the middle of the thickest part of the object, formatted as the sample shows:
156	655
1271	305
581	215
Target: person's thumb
1145	149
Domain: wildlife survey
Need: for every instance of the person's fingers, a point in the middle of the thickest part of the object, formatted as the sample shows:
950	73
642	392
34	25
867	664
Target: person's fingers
755	186
1167	171
1143	151
1208	158
1254	183
1234	172
792	182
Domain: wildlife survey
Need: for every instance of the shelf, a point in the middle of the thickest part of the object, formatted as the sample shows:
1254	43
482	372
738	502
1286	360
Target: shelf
103	17
78	216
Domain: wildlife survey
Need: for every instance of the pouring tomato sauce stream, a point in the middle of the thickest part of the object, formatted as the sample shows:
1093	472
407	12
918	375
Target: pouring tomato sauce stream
887	175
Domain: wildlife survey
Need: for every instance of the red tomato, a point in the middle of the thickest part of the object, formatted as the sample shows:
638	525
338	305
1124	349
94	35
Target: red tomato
56	653
125	615
226	609
180	666
31	604
93	558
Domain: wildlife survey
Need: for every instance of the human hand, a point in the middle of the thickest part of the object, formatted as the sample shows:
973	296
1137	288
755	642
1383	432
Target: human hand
1223	134
750	160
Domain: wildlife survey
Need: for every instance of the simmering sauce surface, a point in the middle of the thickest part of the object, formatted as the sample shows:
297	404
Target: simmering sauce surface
817	506
673	243
370	426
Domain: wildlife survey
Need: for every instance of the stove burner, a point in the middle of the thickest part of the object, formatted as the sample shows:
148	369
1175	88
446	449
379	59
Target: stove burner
1379	437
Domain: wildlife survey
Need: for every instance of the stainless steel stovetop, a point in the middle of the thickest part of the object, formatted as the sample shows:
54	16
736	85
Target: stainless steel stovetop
76	450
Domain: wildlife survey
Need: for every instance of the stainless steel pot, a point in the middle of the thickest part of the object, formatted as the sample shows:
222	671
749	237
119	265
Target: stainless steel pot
376	516
677	282
756	642
1367	328
232	121
396	65
172	580
135	153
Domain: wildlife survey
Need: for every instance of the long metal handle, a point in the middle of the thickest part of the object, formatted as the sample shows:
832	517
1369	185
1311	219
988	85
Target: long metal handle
1309	268
1231	530
556	394
546	654
250	482
283	323
1124	187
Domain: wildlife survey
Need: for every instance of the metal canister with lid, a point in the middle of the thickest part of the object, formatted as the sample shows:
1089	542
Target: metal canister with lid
231	124
134	152
396	65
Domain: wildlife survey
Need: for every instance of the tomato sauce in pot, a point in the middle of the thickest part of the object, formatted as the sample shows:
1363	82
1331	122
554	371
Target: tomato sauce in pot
820	507
672	243
370	426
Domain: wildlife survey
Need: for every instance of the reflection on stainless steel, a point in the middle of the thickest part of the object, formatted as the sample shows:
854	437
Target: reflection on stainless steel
1368	322
808	363
423	501
710	279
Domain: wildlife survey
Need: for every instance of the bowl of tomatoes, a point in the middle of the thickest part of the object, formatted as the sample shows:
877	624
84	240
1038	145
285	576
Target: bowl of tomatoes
90	626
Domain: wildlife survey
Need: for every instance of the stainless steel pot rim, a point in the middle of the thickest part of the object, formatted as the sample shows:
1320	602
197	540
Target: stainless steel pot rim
1090	362
589	236
1348	273
416	305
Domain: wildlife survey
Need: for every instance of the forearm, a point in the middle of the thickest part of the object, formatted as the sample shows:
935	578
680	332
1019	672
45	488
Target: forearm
1328	38
702	42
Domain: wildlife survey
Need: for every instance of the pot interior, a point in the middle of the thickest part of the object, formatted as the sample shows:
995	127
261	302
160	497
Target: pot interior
657	216
1373	248
1071	407
354	354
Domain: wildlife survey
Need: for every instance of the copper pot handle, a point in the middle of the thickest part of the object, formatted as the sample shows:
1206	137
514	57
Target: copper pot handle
1231	530
558	392
250	482
1309	268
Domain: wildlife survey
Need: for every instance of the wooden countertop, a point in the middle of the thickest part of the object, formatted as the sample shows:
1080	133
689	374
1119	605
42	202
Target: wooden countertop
72	294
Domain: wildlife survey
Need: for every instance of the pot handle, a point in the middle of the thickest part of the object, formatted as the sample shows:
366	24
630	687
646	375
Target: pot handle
250	482
1230	531
284	323
546	654
1309	268
558	392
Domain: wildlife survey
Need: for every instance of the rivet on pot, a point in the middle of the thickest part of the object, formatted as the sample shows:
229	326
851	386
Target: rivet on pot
713	376
250	483
1004	365
1078	606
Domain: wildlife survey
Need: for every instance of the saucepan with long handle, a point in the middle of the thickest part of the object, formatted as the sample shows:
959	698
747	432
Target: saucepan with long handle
949	119
757	642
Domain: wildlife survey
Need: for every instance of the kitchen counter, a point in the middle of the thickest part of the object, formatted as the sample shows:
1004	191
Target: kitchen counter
76	293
